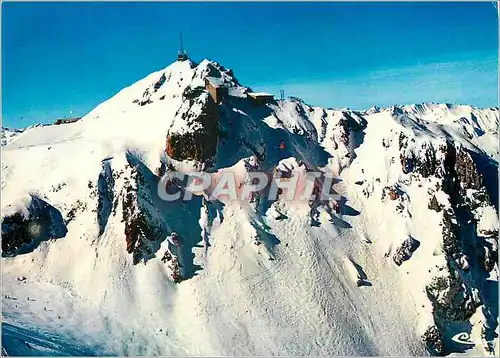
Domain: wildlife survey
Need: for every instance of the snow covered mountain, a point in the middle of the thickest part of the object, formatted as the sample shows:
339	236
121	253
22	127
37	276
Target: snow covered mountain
404	264
9	134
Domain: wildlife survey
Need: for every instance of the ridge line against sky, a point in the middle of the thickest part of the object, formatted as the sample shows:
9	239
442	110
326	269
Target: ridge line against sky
63	59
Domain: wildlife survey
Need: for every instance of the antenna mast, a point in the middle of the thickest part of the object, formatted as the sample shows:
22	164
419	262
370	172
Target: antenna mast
182	55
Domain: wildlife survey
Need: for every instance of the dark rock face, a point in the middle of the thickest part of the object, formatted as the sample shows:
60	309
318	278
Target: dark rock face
191	93
435	205
404	252
198	146
142	231
461	174
160	82
23	232
451	245
489	256
424	164
76	208
433	339
136	229
201	143
467	172
345	131
456	294
452	300
452	297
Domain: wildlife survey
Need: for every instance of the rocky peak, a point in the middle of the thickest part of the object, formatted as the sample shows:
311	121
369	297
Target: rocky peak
193	134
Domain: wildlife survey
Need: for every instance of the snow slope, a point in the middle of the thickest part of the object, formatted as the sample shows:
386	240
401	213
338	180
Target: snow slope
258	277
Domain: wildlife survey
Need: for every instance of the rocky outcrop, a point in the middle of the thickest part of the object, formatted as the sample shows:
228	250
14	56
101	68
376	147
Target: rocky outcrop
451	244
171	260
197	146
214	69
77	208
435	205
160	82
457	295
433	339
193	134
452	300
457	291
191	93
422	161
23	230
467	172
143	226
404	252
489	256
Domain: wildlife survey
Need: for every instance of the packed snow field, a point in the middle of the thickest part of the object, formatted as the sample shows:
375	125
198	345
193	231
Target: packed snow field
94	262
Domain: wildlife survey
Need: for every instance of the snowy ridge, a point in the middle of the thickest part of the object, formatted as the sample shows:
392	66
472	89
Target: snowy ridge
9	134
401	265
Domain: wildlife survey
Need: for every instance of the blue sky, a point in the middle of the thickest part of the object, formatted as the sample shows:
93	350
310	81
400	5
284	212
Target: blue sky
62	59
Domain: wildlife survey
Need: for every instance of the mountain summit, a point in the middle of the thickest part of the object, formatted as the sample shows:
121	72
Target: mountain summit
95	262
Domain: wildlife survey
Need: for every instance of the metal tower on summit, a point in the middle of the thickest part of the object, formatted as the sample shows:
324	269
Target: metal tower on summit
182	55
